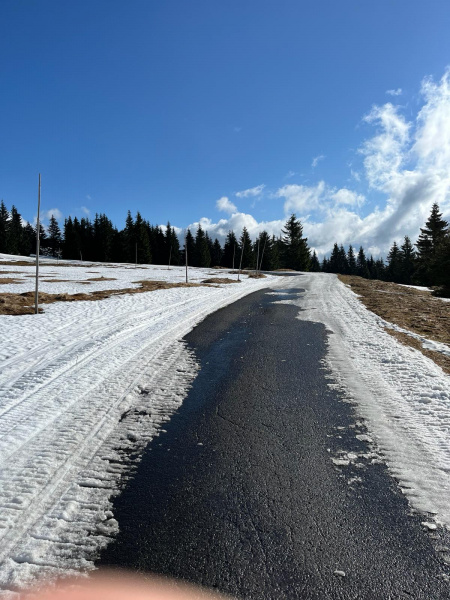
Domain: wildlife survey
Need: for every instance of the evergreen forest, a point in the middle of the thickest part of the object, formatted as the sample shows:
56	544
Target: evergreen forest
425	262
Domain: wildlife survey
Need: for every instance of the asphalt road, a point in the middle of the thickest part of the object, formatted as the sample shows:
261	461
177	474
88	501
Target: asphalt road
241	493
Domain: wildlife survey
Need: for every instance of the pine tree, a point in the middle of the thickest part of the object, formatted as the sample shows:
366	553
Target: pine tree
14	232
70	246
28	240
216	254
407	261
202	256
142	240
189	244
333	263
361	264
54	235
296	253
442	272
245	255
393	271
315	265
351	260
429	239
230	251
4	217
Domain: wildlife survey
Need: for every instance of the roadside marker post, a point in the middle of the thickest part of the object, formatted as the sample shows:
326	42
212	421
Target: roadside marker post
240	264
38	226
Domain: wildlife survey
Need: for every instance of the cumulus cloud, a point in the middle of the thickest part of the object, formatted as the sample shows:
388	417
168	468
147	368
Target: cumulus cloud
53	211
316	160
397	92
301	198
224	205
251	192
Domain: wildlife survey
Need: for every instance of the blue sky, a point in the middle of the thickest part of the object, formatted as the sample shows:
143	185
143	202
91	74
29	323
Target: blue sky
269	107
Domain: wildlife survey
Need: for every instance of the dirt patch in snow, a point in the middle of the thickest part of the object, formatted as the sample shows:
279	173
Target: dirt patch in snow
5	280
255	275
23	304
220	280
415	310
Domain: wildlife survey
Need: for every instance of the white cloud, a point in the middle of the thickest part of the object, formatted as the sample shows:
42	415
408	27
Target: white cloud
345	196
251	192
236	222
316	160
301	198
224	205
53	211
86	210
397	92
290	174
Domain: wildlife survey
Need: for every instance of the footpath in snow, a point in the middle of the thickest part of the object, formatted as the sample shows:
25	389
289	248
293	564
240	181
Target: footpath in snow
403	396
83	387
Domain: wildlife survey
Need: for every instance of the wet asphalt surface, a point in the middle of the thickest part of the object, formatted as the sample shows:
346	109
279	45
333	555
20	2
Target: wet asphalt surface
241	495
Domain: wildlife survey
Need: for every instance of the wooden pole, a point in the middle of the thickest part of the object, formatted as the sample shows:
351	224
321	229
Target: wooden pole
38	228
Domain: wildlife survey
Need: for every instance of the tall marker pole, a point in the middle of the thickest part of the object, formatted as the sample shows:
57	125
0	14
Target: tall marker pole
185	252
38	227
240	264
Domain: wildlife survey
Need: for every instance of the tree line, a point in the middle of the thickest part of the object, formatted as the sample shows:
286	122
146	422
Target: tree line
140	242
426	263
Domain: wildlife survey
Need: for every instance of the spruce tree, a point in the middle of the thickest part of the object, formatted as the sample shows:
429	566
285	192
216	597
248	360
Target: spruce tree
14	232
4	217
442	272
351	260
202	256
245	250
393	271
28	240
407	261
142	241
216	254
189	244
230	251
315	265
54	235
429	239
296	253
361	264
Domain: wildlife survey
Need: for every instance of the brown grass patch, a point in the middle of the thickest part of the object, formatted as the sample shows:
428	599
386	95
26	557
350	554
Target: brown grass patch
102	278
5	280
15	272
255	275
220	280
415	310
23	304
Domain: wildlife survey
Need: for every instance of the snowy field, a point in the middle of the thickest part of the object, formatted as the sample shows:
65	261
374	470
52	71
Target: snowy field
81	386
403	396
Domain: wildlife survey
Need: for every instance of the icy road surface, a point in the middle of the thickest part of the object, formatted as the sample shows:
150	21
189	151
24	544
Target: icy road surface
81	386
403	396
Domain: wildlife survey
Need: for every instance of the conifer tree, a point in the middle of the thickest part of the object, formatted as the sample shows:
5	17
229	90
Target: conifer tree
14	232
202	256
216	254
189	244
361	264
442	273
393	271
70	246
142	240
407	261
429	239
54	235
230	251
296	253
351	260
315	265
28	240
4	217
245	248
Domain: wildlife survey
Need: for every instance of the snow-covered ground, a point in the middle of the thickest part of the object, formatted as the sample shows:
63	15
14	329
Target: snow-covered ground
81	386
403	396
85	384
